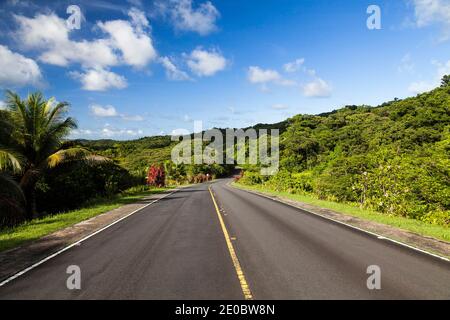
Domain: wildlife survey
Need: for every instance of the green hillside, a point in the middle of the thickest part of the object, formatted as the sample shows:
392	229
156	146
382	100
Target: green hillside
393	158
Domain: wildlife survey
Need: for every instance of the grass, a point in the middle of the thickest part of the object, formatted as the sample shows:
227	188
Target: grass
416	226
37	228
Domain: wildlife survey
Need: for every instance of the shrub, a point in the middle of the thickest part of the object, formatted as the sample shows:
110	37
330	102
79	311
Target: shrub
70	185
156	176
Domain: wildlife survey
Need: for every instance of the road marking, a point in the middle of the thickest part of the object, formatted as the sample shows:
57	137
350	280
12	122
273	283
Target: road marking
348	225
20	273
244	285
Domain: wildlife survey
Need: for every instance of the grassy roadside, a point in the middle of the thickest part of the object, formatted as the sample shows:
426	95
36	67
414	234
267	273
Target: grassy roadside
37	228
416	226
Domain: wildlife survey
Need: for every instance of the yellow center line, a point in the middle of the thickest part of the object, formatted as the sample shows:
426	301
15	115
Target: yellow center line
237	266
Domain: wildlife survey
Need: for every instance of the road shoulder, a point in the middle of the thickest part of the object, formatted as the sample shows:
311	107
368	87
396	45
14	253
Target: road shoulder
430	245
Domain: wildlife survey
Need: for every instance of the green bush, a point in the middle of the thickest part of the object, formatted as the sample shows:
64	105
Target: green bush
70	185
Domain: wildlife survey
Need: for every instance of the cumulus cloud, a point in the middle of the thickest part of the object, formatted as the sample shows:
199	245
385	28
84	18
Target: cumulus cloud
17	70
110	111
318	88
263	77
258	75
185	17
100	80
430	12
126	42
294	65
205	63
50	35
172	72
136	46
106	111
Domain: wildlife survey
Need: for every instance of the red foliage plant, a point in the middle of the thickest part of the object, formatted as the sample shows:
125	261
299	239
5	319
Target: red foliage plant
156	176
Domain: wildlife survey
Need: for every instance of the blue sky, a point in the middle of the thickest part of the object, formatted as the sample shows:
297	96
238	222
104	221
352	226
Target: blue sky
139	68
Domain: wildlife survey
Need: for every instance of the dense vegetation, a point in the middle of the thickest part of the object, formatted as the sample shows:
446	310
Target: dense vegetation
41	172
394	158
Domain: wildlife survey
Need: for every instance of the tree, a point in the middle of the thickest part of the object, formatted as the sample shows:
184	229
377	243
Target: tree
445	80
35	140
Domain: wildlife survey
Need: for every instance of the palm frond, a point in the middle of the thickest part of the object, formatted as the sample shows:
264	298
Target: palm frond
73	154
10	160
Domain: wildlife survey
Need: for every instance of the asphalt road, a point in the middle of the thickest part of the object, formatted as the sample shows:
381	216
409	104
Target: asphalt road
176	249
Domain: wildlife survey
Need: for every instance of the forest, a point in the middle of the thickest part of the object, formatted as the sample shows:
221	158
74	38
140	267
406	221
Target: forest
393	158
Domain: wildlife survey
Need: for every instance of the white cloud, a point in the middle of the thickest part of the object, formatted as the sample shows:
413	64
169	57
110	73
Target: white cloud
100	80
2	105
106	111
279	106
108	132
113	132
136	46
125	42
423	86
110	111
50	35
138	19
261	76
206	63
420	87
318	88
428	12
79	132
17	70
187	18
294	65
257	75
179	132
172	72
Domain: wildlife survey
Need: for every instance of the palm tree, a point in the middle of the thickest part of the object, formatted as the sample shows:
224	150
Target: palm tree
12	199
33	140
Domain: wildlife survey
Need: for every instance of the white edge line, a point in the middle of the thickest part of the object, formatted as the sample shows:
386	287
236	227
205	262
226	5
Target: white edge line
20	273
349	225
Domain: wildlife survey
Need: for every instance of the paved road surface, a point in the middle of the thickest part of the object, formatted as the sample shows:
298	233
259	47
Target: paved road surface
176	249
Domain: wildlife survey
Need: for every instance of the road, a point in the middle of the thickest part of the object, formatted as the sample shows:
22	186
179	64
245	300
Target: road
176	249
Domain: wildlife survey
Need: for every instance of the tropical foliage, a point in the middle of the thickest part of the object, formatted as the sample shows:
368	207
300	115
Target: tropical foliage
394	158
32	140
